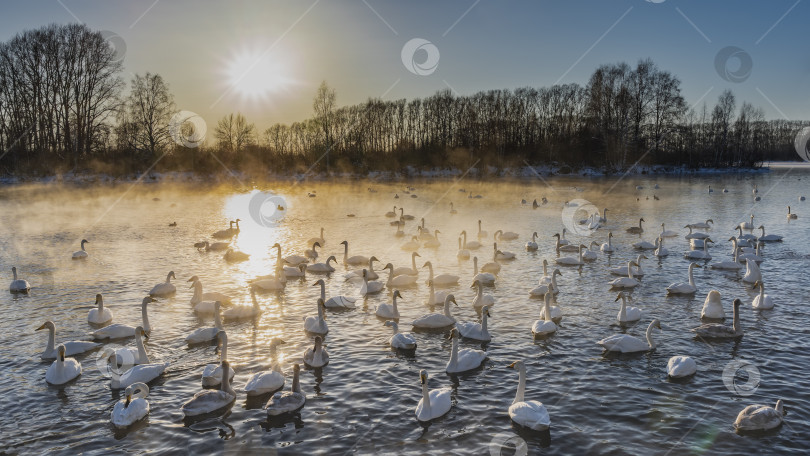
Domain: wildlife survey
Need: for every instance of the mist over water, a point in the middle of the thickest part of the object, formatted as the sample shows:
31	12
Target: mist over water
363	401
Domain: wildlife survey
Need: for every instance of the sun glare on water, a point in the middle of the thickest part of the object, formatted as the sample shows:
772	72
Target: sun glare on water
257	74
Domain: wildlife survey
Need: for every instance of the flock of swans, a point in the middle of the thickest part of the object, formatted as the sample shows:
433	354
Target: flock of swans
132	370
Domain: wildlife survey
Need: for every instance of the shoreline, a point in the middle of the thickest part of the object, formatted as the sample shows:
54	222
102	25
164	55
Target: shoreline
410	173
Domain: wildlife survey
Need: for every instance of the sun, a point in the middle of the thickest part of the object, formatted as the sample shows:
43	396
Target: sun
256	74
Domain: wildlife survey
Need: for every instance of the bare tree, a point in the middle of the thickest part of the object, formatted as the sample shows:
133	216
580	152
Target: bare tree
147	113
234	133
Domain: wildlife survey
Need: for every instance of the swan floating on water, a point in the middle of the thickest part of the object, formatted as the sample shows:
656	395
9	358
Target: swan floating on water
81	254
287	402
721	331
269	381
713	307
752	272
760	417
62	370
570	261
406	271
486	278
471	245
18	285
700	254
316	356
681	366
100	315
244	311
437	320
501	235
441	279
71	348
624	343
354	260
132	408
400	341
465	359
201	335
546	286
212	373
607	247
627	314
434	403
317	324
531	246
209	400
626	282
545	326
626	269
323	267
335	302
768	237
435	298
139	373
528	414
370	287
762	301
685	288
398	281
636	229
792	216
389	311
321	240
119	330
477	331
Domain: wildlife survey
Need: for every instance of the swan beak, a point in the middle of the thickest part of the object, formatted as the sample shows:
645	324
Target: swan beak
658	325
44	325
618	297
145	335
454	301
512	366
423	378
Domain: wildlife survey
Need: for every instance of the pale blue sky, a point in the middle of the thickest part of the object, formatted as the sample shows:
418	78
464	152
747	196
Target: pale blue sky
496	44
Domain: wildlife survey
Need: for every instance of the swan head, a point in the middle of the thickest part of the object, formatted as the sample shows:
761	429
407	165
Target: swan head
193	279
365	273
315	244
427	264
373	259
397	294
14	270
416	254
556	272
171	274
485	311
619	296
610	234
450	298
556	235
517	365
475	283
758	283
98	298
85	241
641	220
276	246
319	282
388	266
391	323
318	342
656	324
453	334
737	303
331	258
695	265
423	376
47	325
147	300
140	332
60	352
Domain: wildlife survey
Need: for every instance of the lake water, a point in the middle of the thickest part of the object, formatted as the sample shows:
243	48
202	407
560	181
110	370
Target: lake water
363	401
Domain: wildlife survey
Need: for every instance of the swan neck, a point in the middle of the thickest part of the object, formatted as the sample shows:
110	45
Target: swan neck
454	353
691	275
223	354
447	308
142	355
217	319
413	260
100	305
197	293
545	268
226	381
547	307
649	336
475	265
554	282
323	291
320	313
394	305
623	310
426	399
521	389
51	339
169	278
14	271
480	291
736	322
484	324
145	317
296	386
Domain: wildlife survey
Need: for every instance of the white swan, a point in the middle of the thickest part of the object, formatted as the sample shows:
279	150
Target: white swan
433	243
570	261
465	359
636	229
411	245
713	306
556	311
389	311
370	287
753	256
287	402
405	216
501	235
681	366
200	306
335	302
354	260
244	311
398	281
131	356
531	246
81	254
166	288
481	234
477	331
140	373
701	225
226	233
562	240
541	290
435	298
481	300
293	260
732	265
760	417
462	254
768	237
437	320
528	414
607	247
546	279
400	341
358	273
762	301
212	373
316	356
685	288
132	408
269	381
790	215
696	235
748	225
626	282
216	246
62	370
699	254
627	314
209	400
471	245
99	315
546	325
492	267
624	343
312	253
207	296
201	335
321	240
667	233
486	278
752	272
591	254
323	267
391	213
434	403
234	256
721	331
660	251
441	279
625	270
408	271
295	271
502	255
18	285
317	324
73	347
119	330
